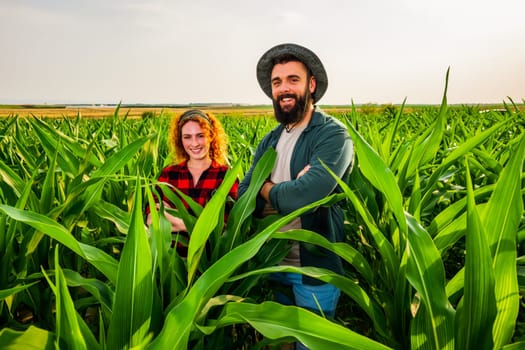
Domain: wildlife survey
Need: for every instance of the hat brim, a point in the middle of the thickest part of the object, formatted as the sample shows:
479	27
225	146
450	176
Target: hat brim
310	59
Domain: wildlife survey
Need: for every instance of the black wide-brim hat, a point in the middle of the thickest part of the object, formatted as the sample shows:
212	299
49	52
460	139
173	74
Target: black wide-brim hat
310	59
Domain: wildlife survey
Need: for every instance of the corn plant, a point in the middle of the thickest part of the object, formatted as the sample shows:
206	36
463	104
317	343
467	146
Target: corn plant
79	268
396	194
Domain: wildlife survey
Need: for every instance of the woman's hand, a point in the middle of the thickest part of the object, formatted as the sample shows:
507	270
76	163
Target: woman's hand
177	224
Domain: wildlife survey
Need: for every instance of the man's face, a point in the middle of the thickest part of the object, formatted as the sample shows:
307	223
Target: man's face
291	91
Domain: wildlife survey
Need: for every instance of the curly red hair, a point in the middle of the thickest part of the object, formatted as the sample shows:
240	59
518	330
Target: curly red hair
211	128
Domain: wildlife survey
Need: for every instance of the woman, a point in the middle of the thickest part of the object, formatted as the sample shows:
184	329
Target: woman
198	144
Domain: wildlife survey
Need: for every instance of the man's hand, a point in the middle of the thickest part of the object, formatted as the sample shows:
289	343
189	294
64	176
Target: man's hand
304	171
265	190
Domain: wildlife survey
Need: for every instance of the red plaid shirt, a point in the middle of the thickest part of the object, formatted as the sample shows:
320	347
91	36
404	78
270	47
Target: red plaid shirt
180	177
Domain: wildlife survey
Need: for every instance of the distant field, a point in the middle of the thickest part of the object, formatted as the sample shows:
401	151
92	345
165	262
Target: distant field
102	112
60	111
134	112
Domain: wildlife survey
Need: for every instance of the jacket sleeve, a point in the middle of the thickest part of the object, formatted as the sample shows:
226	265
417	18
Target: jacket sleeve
331	145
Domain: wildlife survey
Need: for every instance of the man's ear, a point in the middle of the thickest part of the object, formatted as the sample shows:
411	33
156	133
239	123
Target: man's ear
313	84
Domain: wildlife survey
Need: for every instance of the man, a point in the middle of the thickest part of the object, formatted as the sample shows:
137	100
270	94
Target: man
295	79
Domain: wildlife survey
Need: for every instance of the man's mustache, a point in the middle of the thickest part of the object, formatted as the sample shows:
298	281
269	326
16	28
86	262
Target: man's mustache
283	96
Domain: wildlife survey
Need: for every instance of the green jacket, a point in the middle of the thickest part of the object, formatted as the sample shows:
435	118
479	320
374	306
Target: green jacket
325	138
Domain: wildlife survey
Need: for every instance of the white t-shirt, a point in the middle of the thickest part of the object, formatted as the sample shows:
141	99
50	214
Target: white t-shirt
280	173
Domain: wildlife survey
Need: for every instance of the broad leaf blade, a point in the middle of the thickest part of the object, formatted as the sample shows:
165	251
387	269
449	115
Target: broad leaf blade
426	274
31	339
182	316
501	221
478	309
132	308
98	258
277	321
380	176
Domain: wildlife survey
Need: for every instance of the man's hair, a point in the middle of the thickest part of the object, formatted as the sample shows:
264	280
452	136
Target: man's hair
288	57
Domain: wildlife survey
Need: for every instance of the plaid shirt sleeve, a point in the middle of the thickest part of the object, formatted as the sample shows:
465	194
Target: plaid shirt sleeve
180	177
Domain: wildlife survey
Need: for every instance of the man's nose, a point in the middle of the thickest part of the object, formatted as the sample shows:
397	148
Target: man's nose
284	88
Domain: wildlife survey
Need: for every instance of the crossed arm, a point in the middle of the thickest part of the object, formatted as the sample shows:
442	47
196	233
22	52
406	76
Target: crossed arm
268	185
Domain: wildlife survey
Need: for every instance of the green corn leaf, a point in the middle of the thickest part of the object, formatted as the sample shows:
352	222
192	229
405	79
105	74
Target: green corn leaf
182	316
501	221
455	285
245	205
98	258
449	215
31	339
68	330
414	205
5	293
456	154
476	315
111	212
208	219
194	206
11	178
22	203
8	238
426	147
160	240
515	346
391	261
426	274
344	250
347	286
380	176
277	321
53	136
51	142
133	303
389	140
100	290
48	188
112	165
175	196
452	232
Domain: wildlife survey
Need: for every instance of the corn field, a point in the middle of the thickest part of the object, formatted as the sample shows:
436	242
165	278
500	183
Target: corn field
434	249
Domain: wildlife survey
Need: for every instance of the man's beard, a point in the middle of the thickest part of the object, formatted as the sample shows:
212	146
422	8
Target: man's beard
296	113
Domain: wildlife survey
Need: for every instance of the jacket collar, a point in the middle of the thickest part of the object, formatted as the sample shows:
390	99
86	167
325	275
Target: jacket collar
317	119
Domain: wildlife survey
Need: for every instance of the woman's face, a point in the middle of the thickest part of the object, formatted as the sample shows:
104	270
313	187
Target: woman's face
194	141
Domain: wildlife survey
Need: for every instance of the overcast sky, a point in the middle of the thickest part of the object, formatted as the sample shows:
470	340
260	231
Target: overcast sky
203	51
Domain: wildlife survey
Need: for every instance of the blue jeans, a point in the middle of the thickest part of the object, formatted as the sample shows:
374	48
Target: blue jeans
326	295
